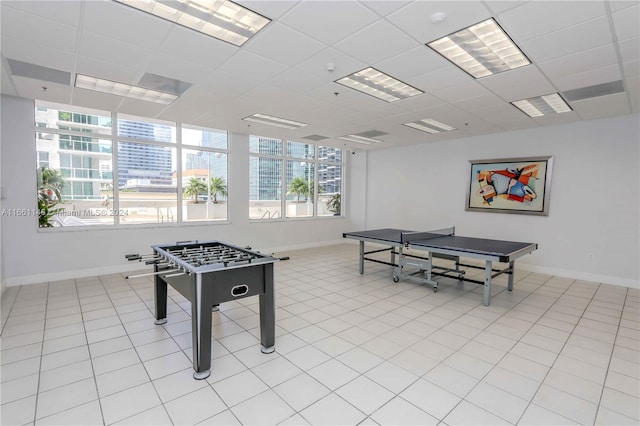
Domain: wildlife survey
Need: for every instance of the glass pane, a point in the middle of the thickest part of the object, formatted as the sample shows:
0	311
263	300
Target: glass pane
204	137
146	183
75	173
204	185
300	150
329	189
326	153
268	146
300	187
146	129
265	188
76	119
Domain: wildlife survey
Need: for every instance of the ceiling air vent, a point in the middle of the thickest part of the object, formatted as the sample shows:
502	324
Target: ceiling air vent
594	91
315	138
37	72
163	84
372	133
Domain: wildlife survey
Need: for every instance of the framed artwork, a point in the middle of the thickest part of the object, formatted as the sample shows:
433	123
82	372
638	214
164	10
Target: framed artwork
510	185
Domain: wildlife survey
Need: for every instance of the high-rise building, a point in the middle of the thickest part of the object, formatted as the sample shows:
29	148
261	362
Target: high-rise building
142	166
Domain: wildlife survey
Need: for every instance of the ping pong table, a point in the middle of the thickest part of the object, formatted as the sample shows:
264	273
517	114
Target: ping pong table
441	243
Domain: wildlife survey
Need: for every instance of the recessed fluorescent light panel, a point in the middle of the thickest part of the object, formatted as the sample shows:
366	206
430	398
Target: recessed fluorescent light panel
378	84
359	139
480	50
430	126
122	89
274	121
543	105
221	19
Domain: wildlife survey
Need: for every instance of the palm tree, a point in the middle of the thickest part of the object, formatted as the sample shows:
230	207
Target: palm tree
50	185
194	188
217	186
299	186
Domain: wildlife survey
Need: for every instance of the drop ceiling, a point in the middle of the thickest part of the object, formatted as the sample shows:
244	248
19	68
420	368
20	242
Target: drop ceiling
283	71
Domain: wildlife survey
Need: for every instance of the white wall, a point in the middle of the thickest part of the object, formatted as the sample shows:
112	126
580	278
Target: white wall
594	206
32	255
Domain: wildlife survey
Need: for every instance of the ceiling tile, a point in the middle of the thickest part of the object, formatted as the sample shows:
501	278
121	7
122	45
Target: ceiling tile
101	16
415	18
63	12
446	76
627	22
468	89
376	42
107	70
588	78
412	63
384	7
504	115
477	104
114	51
345	17
36	53
535	18
520	83
580	62
567	41
269	9
616	5
282	44
92	99
629	49
55	92
192	46
499	6
317	64
604	106
34	29
254	67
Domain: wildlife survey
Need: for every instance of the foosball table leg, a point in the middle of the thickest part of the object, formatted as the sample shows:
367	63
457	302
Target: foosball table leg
267	313
160	297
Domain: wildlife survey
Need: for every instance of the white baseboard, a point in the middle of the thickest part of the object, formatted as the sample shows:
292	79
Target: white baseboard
128	267
74	274
579	275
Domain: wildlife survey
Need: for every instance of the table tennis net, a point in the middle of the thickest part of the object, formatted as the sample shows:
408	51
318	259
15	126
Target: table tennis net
407	237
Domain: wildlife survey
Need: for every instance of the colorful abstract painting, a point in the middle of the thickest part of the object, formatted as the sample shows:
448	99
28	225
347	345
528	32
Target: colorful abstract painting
516	185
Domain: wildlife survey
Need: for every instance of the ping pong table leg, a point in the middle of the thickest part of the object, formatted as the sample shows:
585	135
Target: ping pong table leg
393	255
361	257
512	265
487	283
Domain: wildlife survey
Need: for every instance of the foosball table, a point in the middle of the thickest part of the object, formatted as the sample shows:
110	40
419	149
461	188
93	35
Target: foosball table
207	274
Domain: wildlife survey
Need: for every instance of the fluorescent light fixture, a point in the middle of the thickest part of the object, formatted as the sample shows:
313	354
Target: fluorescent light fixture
430	126
543	105
122	89
359	139
221	19
480	50
274	121
378	84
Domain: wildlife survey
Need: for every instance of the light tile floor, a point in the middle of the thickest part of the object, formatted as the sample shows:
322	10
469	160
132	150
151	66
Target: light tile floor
350	349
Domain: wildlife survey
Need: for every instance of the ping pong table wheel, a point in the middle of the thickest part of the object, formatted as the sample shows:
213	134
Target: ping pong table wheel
396	278
435	288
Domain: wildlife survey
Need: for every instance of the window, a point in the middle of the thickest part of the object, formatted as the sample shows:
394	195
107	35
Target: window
311	183
75	165
204	174
146	161
79	149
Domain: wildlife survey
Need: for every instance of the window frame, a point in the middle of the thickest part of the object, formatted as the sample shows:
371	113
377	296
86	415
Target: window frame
316	162
115	138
